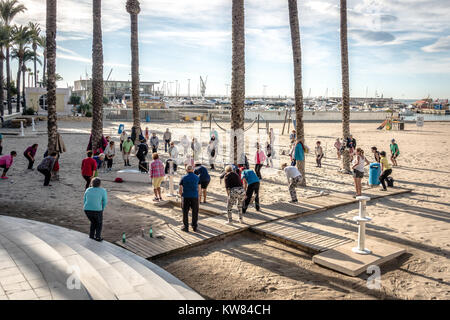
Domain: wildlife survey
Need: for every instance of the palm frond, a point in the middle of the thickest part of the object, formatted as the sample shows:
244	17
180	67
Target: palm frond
9	9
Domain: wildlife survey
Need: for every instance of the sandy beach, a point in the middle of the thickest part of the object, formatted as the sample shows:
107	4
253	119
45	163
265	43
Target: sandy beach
248	266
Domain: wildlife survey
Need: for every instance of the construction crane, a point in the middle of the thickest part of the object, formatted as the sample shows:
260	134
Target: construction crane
203	86
109	75
104	89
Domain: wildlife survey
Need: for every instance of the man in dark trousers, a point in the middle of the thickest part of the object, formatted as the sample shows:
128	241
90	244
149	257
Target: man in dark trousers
88	167
190	197
46	166
142	154
251	185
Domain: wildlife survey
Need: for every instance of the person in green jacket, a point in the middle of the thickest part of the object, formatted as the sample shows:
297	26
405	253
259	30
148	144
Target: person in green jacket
95	200
395	152
126	151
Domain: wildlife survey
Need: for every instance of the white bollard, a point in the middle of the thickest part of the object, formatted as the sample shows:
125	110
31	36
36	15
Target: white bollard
21	129
361	220
171	173
32	122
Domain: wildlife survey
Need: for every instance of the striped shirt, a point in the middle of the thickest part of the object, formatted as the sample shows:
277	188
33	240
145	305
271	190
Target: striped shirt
156	169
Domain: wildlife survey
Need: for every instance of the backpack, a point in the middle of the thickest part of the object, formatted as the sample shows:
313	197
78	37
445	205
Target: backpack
390	181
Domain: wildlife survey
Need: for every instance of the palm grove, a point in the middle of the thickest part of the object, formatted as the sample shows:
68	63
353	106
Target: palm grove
21	43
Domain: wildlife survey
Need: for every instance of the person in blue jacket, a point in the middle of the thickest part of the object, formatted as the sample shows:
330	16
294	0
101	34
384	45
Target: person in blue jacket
95	200
251	186
299	153
205	179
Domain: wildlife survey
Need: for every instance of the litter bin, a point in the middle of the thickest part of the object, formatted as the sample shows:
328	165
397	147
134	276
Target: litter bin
374	174
121	128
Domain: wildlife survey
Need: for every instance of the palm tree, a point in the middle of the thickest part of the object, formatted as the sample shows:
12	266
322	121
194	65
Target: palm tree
35	35
22	37
133	8
345	85
298	92
43	44
97	75
4	40
238	75
52	126
8	10
28	56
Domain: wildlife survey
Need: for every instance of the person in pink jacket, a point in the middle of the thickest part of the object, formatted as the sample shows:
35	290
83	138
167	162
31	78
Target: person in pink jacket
260	157
6	162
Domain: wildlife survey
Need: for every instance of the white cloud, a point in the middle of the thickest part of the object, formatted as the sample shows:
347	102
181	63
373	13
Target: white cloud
441	45
190	38
398	34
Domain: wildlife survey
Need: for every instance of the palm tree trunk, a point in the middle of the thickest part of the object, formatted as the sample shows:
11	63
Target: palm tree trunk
8	81
19	72
23	87
345	84
238	76
135	76
2	95
44	67
35	63
97	75
298	91
52	126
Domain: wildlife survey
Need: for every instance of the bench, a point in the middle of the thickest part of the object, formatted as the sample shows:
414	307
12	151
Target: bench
15	123
26	121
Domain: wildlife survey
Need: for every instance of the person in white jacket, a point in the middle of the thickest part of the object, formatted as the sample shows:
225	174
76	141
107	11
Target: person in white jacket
294	179
212	151
173	151
123	138
185	144
110	152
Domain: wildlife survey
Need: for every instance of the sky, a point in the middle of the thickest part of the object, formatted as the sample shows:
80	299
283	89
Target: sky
398	48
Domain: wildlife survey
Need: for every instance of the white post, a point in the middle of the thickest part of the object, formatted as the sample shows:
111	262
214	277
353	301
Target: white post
171	191
361	220
21	129
32	122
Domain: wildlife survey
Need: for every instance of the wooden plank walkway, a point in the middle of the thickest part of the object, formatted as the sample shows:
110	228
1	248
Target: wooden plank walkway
272	221
303	237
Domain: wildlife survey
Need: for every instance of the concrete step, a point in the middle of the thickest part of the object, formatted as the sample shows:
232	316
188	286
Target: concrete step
145	287
35	263
106	271
97	287
86	259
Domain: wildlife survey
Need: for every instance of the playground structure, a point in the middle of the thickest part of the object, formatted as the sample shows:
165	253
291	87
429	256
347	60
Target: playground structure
393	122
210	119
288	118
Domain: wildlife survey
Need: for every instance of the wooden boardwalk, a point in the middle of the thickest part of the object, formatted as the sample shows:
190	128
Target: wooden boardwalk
301	236
272	221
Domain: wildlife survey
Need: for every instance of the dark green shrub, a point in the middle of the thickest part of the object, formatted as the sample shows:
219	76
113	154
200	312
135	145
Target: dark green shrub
29	112
75	100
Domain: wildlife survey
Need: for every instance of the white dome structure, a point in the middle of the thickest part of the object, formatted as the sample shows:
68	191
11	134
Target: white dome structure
43	261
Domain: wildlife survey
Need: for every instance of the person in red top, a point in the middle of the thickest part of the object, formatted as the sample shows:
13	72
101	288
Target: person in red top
88	167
